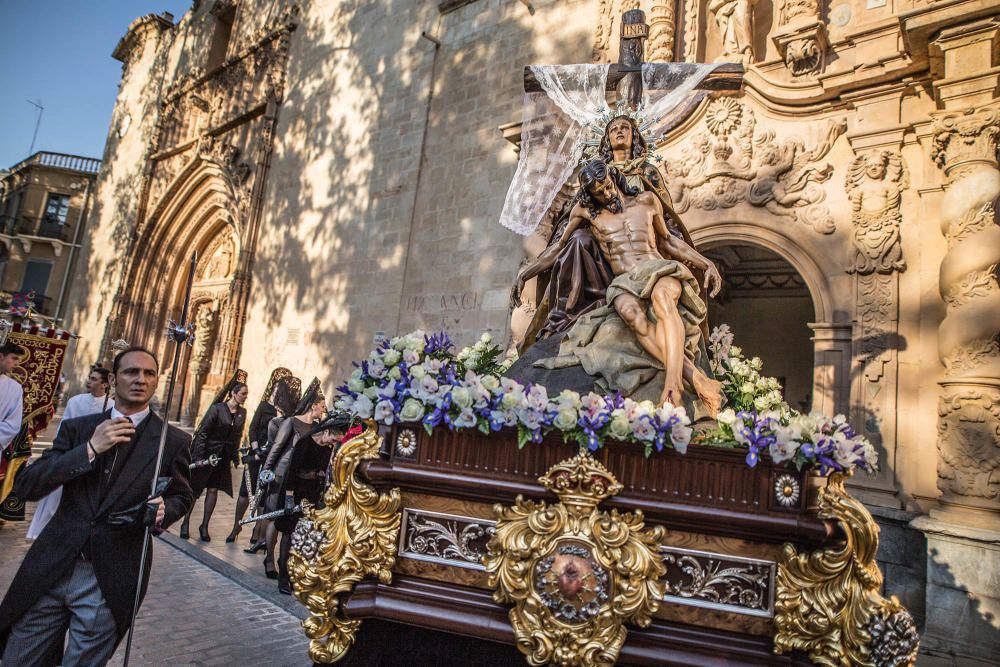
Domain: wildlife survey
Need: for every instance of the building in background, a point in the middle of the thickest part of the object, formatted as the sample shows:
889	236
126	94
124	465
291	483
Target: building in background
44	203
340	167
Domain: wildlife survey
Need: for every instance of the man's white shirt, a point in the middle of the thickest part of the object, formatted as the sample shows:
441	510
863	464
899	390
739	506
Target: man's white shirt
11	409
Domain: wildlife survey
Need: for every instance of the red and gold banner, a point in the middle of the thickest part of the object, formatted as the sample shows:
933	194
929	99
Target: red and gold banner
39	374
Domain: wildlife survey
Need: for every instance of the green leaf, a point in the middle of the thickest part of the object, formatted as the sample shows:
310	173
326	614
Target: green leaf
523	436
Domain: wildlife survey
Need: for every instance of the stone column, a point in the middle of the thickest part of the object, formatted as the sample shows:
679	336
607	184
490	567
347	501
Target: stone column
831	367
965	146
963	533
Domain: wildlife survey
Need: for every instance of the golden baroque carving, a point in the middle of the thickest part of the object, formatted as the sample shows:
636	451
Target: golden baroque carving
969	441
828	603
354	536
576	575
730	162
964	136
875	184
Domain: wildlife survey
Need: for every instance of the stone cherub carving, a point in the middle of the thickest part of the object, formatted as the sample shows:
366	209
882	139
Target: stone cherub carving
731	161
735	21
874	184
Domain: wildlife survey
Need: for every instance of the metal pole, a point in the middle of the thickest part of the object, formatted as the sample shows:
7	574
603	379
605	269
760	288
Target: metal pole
179	334
38	121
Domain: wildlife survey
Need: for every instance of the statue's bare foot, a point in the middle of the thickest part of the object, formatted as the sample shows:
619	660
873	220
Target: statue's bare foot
709	391
671	394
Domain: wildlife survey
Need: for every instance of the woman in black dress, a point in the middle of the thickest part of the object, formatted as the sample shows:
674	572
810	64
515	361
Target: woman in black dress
218	435
254	455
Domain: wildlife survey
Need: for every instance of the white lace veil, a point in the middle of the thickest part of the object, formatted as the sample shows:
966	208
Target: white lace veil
554	127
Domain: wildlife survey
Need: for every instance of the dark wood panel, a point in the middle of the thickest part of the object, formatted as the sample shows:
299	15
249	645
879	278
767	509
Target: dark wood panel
469	613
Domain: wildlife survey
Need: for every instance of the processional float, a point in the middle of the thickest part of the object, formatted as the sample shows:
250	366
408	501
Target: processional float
461	509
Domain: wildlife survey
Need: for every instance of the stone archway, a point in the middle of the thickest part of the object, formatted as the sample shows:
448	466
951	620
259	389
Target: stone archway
198	213
777	293
767	304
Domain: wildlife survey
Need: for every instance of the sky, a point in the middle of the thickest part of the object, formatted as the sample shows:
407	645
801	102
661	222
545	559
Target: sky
59	52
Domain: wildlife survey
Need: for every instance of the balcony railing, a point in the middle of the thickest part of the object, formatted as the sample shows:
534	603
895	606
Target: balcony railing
87	165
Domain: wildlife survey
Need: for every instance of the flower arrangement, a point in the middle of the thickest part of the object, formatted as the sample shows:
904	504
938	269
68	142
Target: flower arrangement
758	418
420	378
742	382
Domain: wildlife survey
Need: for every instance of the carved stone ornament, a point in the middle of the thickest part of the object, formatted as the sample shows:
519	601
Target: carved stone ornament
875	184
969	441
359	530
575	574
801	36
734	19
730	162
828	602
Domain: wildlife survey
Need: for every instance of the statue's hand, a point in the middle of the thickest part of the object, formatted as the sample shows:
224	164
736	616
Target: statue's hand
515	291
713	281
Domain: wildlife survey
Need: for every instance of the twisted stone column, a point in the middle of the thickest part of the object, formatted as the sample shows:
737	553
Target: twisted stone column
661	31
965	146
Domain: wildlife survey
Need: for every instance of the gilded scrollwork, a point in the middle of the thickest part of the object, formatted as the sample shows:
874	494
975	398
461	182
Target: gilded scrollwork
731	162
452	539
718	581
828	603
575	574
360	534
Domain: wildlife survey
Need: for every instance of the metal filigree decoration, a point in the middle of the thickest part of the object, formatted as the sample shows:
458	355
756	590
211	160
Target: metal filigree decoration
445	539
360	531
828	603
718	581
406	442
575	574
306	540
787	491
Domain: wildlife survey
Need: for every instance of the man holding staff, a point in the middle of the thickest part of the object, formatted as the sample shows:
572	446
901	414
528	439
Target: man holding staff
82	571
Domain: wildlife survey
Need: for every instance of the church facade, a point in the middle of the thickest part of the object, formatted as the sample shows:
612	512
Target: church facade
339	168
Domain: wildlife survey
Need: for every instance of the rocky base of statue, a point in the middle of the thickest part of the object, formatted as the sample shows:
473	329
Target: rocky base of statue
531	368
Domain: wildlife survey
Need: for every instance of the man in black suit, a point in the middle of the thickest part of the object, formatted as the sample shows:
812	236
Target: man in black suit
82	571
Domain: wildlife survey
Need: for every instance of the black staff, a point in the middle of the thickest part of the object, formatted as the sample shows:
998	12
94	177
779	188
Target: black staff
179	333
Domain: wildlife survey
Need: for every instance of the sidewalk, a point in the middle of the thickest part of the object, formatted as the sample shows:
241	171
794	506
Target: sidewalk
208	603
194	615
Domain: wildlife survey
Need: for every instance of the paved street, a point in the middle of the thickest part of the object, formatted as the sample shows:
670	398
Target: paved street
208	604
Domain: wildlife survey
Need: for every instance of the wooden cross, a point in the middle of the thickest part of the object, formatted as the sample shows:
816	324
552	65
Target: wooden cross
625	77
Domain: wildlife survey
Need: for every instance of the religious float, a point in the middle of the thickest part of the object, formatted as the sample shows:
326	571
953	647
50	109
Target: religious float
632	490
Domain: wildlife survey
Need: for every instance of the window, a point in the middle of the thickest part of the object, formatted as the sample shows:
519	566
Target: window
56	209
36	277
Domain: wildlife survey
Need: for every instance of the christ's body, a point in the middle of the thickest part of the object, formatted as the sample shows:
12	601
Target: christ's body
630	231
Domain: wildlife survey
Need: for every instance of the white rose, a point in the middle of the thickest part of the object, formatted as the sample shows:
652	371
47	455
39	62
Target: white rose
490	383
461	397
391	357
417	372
565	419
412	410
355	384
619	427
